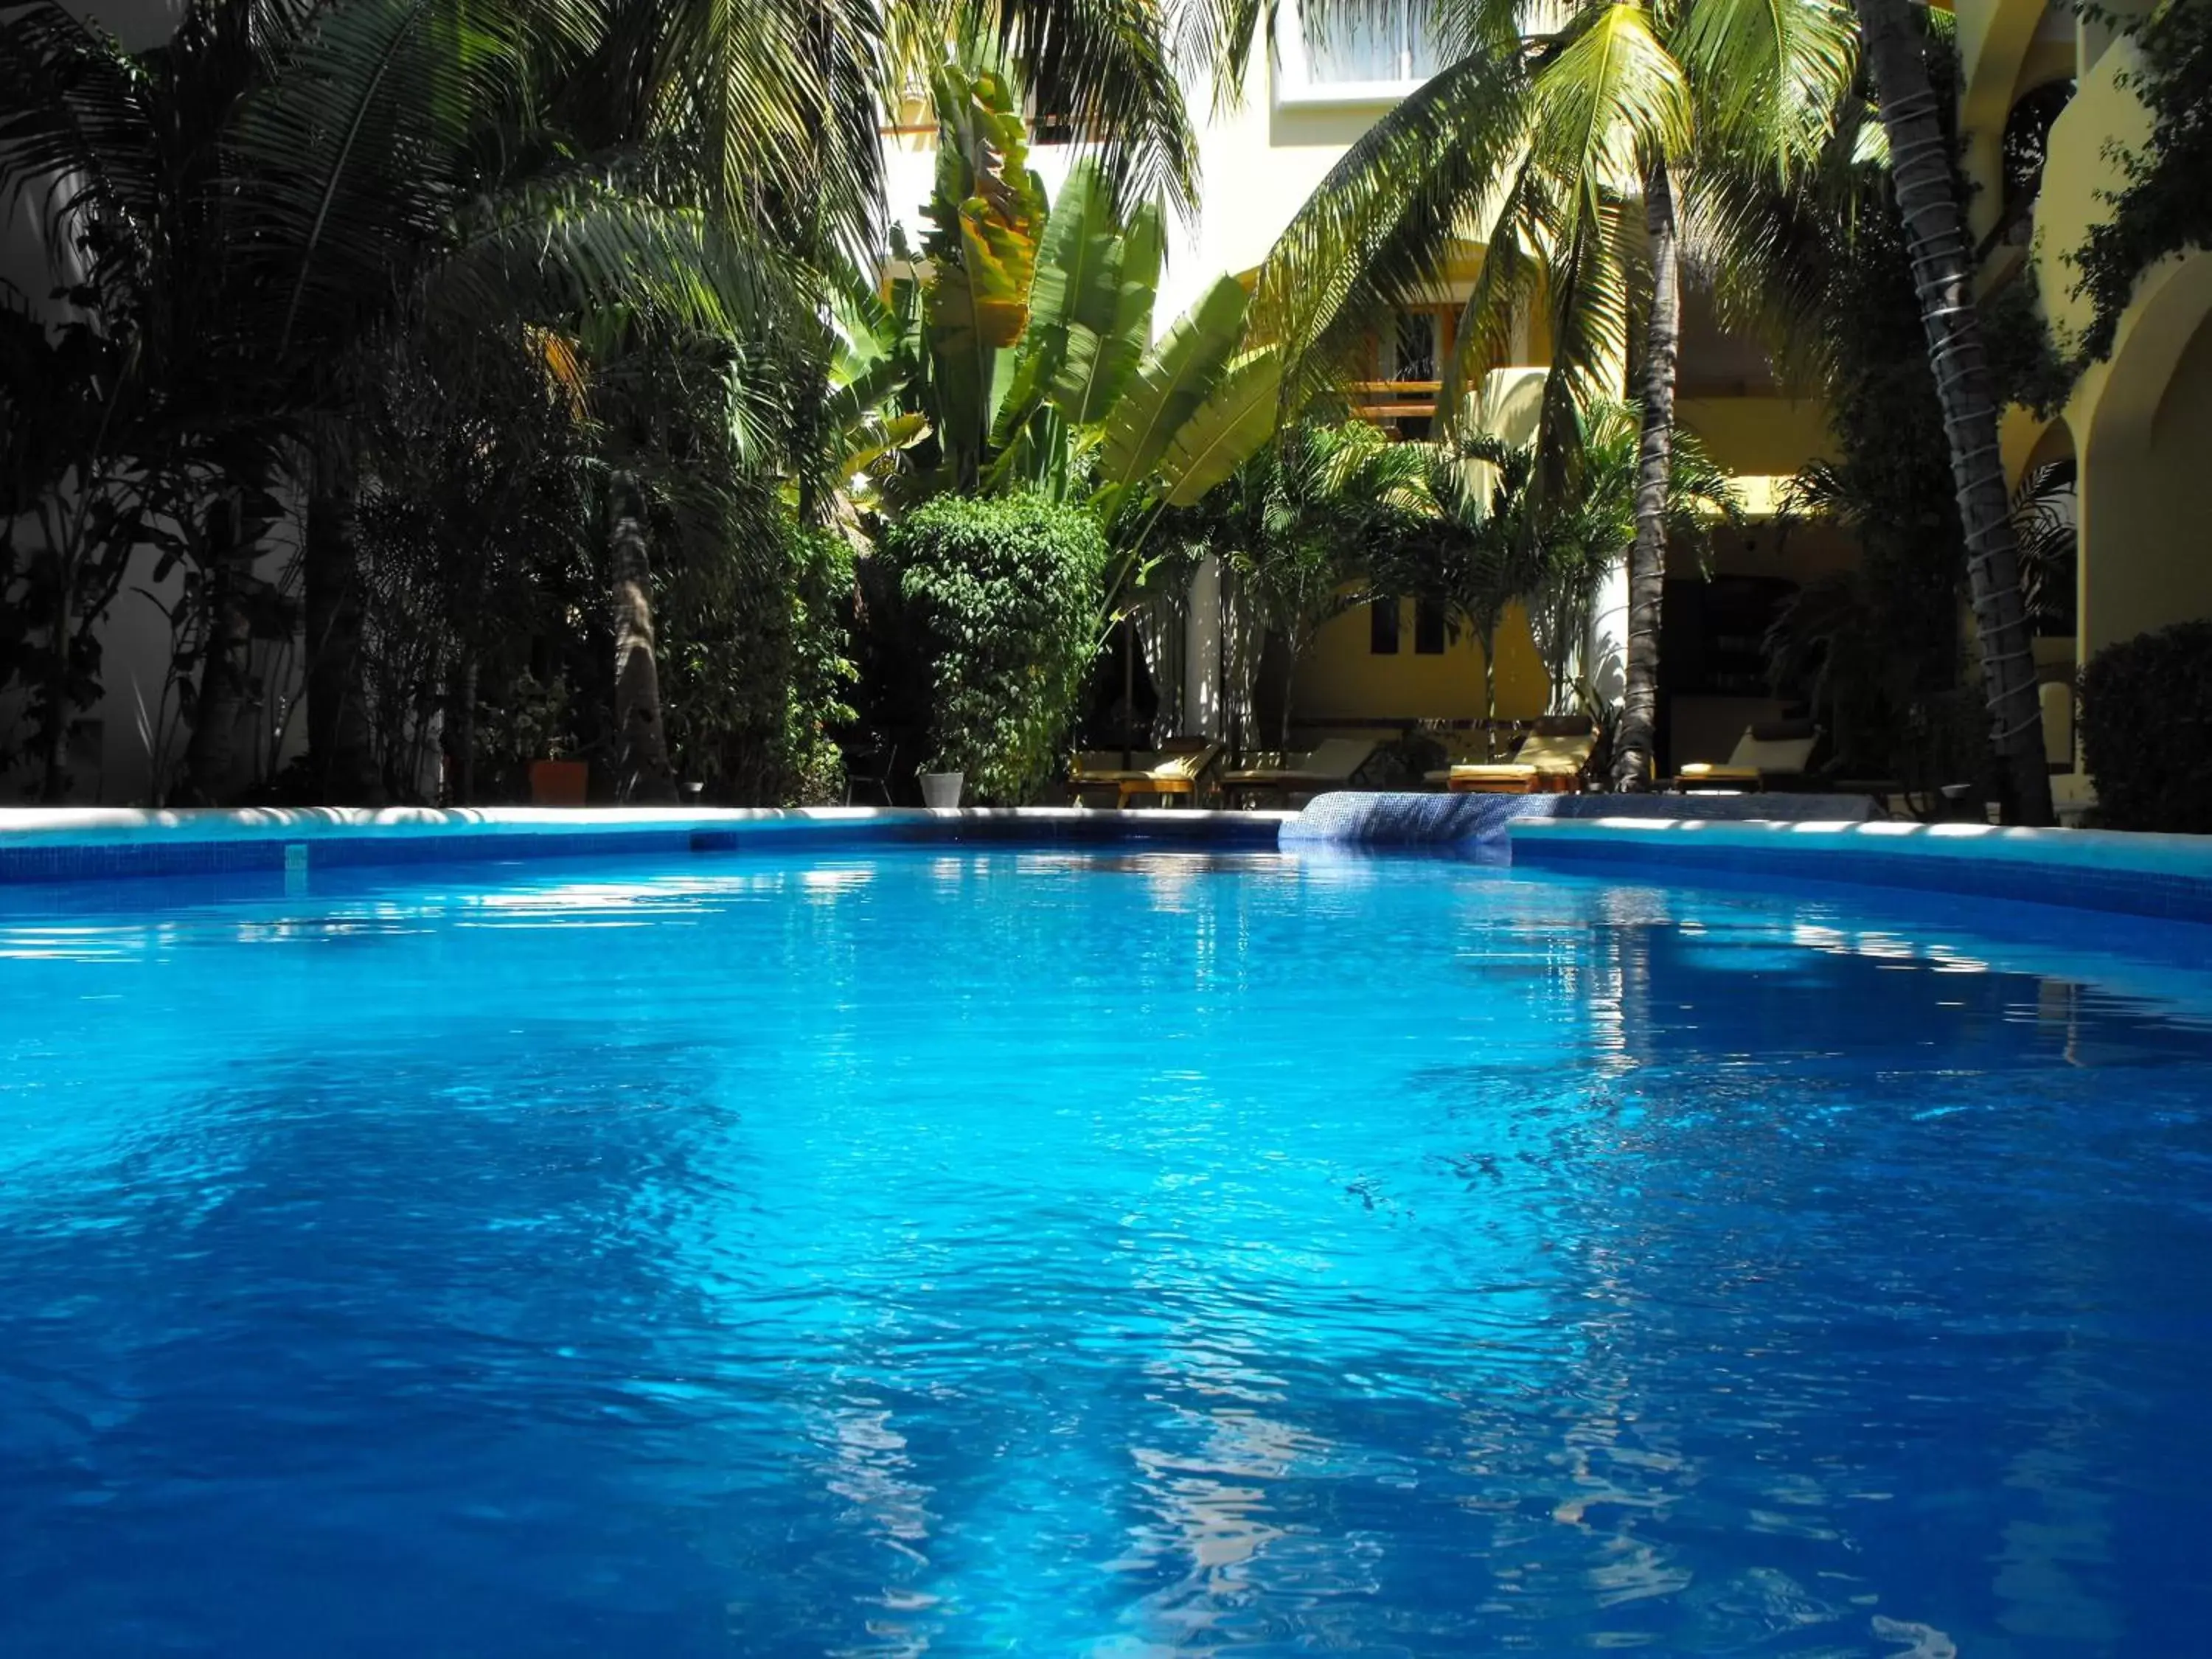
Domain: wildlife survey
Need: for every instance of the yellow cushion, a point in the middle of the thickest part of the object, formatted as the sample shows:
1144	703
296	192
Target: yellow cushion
1555	753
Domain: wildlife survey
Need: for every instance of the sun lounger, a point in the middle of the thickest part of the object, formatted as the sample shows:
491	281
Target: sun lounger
1329	766
1168	775
1462	748
1551	760
1769	751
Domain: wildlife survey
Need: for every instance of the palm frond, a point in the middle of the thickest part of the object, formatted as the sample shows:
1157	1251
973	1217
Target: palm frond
1770	75
1102	69
360	148
1415	192
1609	99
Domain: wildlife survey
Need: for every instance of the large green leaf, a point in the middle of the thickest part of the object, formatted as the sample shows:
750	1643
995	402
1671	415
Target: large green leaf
1769	74
1091	307
1104	351
983	246
1614	98
1226	430
1173	381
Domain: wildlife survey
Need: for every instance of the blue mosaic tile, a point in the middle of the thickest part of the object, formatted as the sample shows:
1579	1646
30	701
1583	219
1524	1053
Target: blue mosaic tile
109	860
1385	818
155	855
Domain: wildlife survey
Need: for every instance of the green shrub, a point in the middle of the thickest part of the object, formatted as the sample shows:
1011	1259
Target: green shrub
756	667
992	611
2147	730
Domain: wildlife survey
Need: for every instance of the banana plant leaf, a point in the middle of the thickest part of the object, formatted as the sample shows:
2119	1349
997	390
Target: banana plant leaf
1175	379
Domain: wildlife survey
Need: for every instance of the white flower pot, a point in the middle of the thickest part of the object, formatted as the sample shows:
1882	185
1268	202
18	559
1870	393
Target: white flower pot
941	789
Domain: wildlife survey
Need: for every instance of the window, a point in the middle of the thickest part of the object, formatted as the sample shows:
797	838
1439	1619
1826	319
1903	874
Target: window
1383	627
1414	346
1428	630
1384	45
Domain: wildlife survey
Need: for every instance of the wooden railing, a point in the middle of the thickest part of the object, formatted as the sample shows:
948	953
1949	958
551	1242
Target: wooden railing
1383	400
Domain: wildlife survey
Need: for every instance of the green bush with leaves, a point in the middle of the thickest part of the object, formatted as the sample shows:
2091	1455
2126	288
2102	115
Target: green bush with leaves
757	656
995	610
2147	730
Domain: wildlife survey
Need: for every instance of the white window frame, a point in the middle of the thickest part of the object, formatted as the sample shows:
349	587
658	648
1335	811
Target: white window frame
1296	89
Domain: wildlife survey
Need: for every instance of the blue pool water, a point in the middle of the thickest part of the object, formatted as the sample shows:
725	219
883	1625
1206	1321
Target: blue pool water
1027	1253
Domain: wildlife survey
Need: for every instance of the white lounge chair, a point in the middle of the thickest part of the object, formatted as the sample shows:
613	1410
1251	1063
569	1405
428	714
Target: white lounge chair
1328	765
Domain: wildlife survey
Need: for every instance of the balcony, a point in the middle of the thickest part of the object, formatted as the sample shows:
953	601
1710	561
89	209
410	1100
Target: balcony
2079	171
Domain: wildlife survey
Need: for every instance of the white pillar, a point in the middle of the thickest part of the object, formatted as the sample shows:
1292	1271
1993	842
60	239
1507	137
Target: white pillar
1605	657
1201	663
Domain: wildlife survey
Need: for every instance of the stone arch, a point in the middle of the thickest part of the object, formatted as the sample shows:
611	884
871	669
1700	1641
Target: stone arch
2057	444
2006	57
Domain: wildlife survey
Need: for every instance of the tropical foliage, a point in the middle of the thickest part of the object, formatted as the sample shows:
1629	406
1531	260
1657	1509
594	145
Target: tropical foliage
2162	206
1018	345
324	263
982	629
1535	146
2147	730
517	380
1492	541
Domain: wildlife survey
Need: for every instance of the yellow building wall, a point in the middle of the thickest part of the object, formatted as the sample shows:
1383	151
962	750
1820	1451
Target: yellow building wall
2142	420
1769	435
1341	678
2147	536
2078	173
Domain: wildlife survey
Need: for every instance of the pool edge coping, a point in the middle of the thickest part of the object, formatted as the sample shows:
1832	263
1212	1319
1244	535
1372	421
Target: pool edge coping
2113	872
63	844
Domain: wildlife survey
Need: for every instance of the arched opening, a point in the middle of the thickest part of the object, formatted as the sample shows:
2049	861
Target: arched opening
2010	50
2022	151
2047	512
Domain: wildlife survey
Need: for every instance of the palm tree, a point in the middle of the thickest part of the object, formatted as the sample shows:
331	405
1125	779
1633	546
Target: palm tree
375	169
334	190
1943	276
1481	548
1489	539
1532	145
1304	527
1594	522
119	155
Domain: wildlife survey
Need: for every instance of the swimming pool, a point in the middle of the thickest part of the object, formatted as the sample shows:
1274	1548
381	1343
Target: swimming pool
1073	1252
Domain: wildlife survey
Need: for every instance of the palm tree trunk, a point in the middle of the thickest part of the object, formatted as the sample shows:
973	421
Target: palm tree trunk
641	769
1489	684
340	760
1647	555
1942	276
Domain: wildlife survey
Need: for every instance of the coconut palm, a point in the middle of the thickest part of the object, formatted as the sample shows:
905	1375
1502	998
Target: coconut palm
1533	144
1943	266
1591	524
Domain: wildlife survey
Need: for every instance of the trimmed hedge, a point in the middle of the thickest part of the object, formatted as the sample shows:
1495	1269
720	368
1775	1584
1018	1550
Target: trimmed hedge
997	598
2147	730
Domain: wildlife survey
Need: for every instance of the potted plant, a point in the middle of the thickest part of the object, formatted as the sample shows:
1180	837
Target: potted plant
539	712
942	788
558	782
990	624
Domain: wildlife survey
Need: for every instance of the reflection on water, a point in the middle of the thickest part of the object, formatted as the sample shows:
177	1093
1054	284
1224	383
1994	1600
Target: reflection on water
1026	1251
